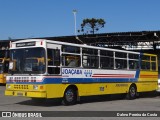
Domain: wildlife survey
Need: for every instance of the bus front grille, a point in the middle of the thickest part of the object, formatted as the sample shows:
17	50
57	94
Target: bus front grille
20	86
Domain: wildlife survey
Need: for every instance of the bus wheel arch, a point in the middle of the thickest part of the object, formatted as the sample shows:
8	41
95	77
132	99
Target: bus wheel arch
132	92
70	95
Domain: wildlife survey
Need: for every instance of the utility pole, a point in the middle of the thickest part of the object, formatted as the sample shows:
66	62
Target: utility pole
75	27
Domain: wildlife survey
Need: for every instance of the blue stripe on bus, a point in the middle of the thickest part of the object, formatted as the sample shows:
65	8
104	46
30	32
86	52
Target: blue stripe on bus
87	80
80	80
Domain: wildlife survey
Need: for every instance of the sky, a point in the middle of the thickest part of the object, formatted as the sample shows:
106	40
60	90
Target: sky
21	19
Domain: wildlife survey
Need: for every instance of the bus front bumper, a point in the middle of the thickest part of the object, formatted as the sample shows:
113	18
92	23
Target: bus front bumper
31	94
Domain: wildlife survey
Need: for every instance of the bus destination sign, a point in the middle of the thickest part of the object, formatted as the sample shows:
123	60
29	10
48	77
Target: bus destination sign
25	44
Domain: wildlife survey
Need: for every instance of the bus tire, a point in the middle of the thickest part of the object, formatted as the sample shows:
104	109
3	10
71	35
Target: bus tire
132	93
70	96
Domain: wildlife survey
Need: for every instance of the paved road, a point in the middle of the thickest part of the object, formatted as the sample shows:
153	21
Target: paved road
147	102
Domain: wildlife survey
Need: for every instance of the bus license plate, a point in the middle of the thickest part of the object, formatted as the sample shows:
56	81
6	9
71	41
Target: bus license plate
19	94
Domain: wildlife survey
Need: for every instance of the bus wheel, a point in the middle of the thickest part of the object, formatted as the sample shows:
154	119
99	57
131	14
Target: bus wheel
70	97
132	93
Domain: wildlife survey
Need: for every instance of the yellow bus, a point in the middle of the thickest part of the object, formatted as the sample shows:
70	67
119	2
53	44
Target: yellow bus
42	69
4	63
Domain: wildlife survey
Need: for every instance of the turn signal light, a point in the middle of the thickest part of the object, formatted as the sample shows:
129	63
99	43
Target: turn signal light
41	87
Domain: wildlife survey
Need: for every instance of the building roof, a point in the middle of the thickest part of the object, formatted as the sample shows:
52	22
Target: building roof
110	39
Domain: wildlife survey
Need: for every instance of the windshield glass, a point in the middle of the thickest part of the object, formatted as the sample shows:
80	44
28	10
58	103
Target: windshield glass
28	61
1	68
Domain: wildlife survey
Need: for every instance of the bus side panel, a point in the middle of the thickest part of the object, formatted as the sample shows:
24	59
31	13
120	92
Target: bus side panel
146	86
57	90
148	76
102	88
147	81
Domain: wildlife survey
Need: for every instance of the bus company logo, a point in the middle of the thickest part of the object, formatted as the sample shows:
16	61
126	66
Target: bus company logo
88	73
72	71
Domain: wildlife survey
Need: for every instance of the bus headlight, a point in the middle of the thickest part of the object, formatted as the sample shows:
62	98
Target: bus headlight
8	86
35	87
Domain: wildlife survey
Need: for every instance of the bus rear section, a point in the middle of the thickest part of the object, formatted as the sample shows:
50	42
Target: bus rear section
42	69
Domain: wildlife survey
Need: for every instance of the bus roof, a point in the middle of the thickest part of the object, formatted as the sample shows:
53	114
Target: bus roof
76	45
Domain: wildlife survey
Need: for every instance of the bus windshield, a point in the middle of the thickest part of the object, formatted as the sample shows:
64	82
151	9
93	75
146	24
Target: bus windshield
28	61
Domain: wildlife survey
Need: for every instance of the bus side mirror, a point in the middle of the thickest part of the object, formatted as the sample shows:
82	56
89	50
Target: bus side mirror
12	65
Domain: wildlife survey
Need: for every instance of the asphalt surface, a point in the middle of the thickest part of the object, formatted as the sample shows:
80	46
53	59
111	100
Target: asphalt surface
146	102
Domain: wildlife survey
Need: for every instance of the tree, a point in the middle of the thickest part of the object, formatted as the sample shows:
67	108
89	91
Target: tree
91	25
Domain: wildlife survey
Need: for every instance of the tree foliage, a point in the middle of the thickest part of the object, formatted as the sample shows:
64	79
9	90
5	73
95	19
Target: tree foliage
91	25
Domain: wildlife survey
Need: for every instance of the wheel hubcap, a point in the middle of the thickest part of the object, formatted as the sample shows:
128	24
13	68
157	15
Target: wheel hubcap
132	91
69	95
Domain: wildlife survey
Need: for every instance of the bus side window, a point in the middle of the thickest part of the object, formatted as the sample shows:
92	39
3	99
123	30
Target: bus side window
71	60
120	60
106	59
145	63
121	64
154	66
50	54
133	64
133	61
53	61
153	63
90	58
90	61
53	57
